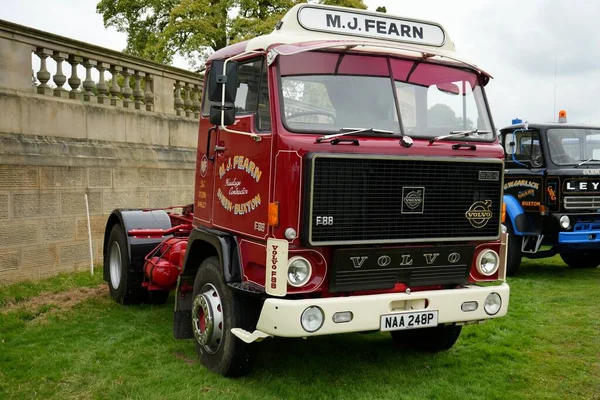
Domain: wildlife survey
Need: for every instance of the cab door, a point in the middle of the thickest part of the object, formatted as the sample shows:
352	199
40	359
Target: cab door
242	162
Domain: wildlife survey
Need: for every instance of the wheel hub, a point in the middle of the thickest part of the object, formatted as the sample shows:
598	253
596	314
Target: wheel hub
115	265
207	319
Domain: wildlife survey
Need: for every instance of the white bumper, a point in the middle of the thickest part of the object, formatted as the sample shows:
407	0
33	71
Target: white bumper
281	317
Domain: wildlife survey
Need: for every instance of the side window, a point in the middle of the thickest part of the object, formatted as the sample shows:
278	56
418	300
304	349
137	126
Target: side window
253	93
525	146
205	102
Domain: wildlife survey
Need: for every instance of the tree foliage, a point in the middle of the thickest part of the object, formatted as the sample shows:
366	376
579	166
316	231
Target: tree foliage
159	29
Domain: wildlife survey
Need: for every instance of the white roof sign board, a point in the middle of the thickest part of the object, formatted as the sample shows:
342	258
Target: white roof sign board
375	26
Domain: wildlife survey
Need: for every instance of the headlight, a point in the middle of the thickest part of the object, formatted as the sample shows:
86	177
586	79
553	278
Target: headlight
488	262
492	304
299	271
565	222
312	319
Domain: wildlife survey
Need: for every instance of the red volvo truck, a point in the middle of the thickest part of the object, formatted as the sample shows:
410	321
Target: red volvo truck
349	179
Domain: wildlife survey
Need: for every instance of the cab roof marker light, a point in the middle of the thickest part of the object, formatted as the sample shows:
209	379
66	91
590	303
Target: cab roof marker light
562	116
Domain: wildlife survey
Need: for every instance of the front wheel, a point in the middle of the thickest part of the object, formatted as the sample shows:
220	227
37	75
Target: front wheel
582	259
216	309
432	340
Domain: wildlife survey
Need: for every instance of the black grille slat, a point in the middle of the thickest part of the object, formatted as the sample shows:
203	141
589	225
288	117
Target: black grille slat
364	196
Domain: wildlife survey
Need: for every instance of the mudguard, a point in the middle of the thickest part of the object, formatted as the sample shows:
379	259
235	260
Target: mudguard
203	243
138	247
516	215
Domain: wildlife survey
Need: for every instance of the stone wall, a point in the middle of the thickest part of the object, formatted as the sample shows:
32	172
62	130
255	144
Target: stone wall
54	149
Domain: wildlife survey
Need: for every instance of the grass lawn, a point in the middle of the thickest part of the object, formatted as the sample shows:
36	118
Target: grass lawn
74	342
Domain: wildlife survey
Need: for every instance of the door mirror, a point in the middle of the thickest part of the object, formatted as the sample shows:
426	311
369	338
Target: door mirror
228	114
510	143
216	81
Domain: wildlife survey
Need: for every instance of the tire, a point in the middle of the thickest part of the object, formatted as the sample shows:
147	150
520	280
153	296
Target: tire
514	254
582	259
431	340
125	285
218	349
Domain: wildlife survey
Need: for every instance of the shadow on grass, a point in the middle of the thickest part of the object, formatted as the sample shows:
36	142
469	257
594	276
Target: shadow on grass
336	357
552	268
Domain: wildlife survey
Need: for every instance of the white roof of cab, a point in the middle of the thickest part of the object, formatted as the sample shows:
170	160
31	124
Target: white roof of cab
329	26
308	22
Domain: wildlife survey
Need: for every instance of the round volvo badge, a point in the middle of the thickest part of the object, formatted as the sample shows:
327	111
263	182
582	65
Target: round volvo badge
479	213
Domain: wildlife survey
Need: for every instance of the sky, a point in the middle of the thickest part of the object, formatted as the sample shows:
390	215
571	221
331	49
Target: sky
544	55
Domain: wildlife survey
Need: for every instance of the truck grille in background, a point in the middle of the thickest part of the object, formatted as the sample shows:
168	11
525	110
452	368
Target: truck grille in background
359	199
582	202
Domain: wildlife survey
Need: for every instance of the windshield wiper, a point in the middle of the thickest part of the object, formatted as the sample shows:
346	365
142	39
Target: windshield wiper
351	131
587	161
458	133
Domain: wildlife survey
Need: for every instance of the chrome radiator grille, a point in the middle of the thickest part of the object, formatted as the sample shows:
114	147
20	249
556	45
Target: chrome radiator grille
581	202
353	199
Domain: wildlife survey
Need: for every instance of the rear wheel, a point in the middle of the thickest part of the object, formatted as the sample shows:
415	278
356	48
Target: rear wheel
216	309
125	285
431	340
582	259
514	253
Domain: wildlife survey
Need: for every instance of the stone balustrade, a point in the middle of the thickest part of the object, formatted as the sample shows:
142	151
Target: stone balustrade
78	122
134	83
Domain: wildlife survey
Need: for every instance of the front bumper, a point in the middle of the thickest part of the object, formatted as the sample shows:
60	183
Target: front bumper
579	237
281	317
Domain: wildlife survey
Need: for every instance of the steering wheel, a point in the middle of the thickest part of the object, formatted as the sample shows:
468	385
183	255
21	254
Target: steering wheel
562	158
305	113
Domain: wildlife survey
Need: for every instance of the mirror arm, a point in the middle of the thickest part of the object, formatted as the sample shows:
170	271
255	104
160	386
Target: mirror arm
223	127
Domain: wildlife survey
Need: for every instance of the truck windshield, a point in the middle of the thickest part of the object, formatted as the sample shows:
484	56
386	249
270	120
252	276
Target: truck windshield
326	92
570	146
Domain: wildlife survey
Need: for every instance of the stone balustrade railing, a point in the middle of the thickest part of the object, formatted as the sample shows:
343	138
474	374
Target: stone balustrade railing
144	85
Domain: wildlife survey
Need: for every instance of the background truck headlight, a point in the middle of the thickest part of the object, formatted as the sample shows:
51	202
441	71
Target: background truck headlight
299	271
565	222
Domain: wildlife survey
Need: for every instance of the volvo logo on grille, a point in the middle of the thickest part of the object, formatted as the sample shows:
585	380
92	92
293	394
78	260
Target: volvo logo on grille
413	200
479	213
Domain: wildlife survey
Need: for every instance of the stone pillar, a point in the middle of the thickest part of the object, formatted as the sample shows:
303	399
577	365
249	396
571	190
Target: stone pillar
178	100
126	90
15	65
138	93
88	84
115	90
43	74
59	77
101	86
74	80
196	105
148	95
188	100
162	88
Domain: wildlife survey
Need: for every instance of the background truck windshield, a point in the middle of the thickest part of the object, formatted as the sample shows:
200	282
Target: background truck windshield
324	92
573	145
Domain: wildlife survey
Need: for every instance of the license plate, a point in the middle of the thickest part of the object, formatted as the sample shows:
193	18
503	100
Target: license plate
409	320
